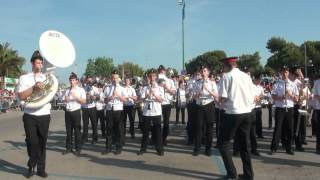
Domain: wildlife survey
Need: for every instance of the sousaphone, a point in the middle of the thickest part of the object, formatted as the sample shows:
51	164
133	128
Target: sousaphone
58	51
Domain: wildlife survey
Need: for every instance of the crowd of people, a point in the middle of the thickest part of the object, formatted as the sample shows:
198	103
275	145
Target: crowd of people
7	100
230	101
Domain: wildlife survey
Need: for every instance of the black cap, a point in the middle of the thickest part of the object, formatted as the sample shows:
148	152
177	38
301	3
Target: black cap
161	67
285	68
152	71
114	72
36	55
73	76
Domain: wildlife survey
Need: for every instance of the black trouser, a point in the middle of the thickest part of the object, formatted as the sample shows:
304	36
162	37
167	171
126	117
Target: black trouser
153	122
182	109
140	112
115	125
258	121
205	115
73	124
317	122
166	111
130	112
253	136
283	121
92	114
314	119
36	129
192	115
270	115
300	131
219	117
236	125
102	119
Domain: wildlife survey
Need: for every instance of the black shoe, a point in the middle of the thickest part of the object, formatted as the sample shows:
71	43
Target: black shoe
84	140
255	152
141	152
77	153
208	152
133	136
42	174
305	142
290	152
94	142
195	153
300	149
273	151
165	143
160	153
30	172
66	152
118	151
107	151
242	176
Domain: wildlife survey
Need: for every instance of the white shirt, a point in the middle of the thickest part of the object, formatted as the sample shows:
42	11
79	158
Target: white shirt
259	91
115	104
129	91
72	104
181	97
205	97
170	85
100	105
27	81
279	90
237	88
316	89
152	107
92	91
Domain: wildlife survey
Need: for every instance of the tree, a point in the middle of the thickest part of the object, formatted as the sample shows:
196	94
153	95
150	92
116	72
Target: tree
251	62
100	67
10	62
130	69
212	59
284	53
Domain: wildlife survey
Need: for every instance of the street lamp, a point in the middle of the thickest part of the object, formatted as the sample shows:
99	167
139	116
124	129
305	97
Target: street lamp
183	4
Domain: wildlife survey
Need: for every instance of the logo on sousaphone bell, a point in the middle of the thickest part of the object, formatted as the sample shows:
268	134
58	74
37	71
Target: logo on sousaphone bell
54	34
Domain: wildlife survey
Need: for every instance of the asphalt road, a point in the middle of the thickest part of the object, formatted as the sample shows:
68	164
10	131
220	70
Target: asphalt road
177	163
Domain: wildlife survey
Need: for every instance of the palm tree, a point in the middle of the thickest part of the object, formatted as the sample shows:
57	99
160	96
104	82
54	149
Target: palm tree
10	62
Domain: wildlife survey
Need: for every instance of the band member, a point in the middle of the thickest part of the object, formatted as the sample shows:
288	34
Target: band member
152	95
128	109
191	107
284	93
206	91
89	111
36	121
300	125
181	101
114	98
74	97
316	111
258	112
100	106
219	111
169	91
236	96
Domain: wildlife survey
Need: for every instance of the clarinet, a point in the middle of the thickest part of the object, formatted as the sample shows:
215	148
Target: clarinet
285	94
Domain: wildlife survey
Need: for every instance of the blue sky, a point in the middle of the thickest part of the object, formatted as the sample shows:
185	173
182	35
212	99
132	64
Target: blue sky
148	32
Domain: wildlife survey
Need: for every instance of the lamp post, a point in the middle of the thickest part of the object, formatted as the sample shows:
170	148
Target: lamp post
183	4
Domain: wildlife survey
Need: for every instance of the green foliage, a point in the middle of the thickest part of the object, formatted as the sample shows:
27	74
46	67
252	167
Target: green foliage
251	62
212	59
10	62
100	66
130	69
